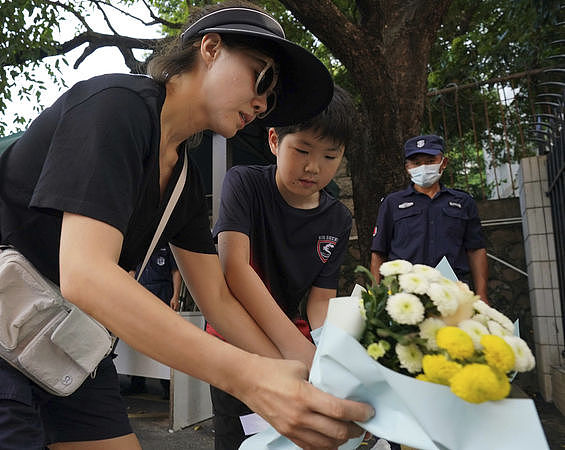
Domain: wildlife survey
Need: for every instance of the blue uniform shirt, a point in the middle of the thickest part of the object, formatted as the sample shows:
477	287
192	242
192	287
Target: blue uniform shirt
419	229
158	274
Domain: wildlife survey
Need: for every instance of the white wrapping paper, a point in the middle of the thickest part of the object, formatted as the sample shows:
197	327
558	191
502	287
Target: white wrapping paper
408	411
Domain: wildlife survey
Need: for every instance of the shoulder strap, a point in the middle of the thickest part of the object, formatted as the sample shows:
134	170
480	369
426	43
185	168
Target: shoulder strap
167	213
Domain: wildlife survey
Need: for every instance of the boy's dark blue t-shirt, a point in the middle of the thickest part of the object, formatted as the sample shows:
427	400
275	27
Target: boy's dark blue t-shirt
291	249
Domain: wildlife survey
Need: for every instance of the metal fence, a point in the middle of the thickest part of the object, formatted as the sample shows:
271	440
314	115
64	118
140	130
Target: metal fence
485	126
548	133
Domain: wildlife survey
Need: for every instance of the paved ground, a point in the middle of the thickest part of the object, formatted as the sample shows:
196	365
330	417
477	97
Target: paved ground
149	416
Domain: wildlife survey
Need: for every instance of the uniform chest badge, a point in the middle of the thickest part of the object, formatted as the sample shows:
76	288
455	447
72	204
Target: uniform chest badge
405	205
455	204
325	246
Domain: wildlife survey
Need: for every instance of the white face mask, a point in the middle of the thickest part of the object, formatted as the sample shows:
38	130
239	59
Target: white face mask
426	174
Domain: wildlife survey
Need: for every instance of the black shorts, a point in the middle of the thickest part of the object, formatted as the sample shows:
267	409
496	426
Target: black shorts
31	418
228	431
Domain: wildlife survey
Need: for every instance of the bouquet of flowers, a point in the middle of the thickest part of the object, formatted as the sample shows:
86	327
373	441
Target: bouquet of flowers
430	357
422	324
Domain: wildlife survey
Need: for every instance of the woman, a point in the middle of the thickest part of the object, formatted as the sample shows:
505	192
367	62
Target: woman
81	193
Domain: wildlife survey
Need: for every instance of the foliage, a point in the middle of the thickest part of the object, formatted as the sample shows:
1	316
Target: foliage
26	39
483	39
477	41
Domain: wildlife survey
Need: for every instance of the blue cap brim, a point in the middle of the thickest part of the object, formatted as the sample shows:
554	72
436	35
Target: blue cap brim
426	151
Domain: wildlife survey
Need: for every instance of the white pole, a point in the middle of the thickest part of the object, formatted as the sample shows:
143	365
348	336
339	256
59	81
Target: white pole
219	164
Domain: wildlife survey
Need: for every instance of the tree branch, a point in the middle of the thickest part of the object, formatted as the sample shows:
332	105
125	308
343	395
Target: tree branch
324	19
94	40
156	19
70	9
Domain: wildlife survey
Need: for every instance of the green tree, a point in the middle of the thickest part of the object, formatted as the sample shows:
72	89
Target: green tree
387	52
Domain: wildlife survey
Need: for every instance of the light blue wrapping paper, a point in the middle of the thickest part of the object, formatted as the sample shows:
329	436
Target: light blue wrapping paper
408	411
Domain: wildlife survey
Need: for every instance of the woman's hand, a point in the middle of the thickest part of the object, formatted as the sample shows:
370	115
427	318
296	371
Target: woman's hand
278	391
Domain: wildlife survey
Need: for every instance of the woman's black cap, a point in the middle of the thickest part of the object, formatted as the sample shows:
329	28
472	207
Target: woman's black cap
305	86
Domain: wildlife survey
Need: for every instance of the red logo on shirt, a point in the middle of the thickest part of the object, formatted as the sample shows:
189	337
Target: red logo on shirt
325	247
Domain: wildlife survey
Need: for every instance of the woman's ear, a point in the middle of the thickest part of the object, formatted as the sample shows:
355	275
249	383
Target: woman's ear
273	141
210	46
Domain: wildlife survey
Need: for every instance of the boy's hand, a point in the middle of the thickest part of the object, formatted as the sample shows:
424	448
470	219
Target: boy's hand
279	392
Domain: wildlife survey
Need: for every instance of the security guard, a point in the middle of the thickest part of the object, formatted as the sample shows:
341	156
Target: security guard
427	221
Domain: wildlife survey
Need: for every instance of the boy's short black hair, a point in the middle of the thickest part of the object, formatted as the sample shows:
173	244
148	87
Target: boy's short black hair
335	122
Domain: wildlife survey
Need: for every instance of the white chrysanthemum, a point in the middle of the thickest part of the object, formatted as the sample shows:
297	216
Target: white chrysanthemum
446	282
498	330
524	359
466	295
481	318
493	314
428	330
395	267
405	308
481	307
428	272
413	283
410	357
443	296
474	329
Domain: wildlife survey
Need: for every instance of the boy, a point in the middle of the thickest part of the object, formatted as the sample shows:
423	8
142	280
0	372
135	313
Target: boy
282	238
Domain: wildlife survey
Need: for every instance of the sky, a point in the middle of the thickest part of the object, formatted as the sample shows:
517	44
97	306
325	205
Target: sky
104	60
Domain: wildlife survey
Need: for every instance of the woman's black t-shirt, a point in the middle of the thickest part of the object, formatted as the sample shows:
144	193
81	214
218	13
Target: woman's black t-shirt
95	153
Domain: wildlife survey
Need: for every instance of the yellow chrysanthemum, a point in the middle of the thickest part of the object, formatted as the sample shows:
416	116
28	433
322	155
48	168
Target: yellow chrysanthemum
458	344
423	377
498	353
378	349
439	369
478	383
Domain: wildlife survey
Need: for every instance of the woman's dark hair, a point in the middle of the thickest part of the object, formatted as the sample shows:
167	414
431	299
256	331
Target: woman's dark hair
334	123
175	57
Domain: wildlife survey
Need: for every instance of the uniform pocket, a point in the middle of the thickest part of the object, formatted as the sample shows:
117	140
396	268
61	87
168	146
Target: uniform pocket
455	221
407	222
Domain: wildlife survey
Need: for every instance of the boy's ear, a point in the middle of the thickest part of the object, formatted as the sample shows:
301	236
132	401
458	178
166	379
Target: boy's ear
209	46
273	141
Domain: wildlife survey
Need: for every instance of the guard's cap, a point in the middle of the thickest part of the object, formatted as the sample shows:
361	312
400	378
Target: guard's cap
305	86
430	144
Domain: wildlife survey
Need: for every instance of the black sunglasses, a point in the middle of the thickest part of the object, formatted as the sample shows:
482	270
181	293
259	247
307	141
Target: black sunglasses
266	82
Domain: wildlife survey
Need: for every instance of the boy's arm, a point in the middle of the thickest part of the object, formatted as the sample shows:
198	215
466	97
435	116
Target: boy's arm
249	289
317	306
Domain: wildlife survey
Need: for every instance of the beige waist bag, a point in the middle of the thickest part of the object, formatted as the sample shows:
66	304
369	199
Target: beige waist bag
44	336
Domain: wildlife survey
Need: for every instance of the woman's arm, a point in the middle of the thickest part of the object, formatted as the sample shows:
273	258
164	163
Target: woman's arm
249	289
205	281
276	389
